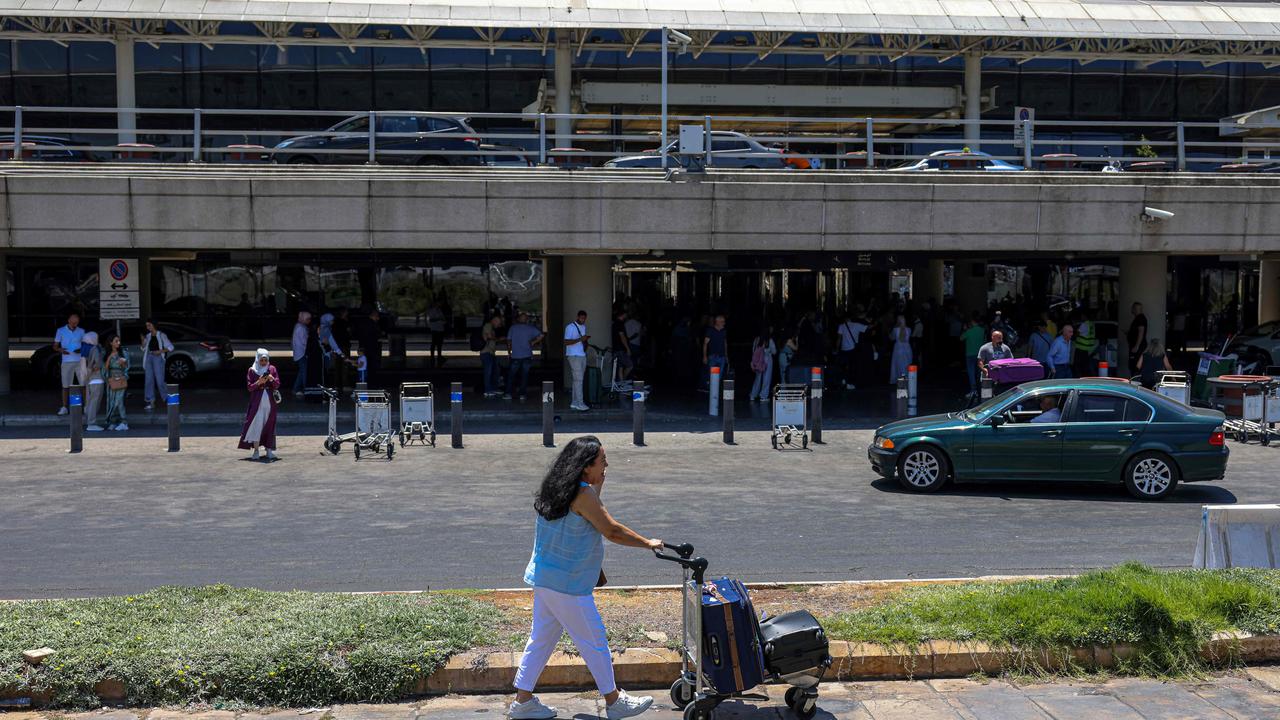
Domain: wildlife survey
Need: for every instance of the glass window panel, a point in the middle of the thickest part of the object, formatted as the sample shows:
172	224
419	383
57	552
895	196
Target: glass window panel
158	74
1149	93
40	73
521	282
467	291
1135	411
1261	87
229	76
1097	90
1098	408
403	294
289	77
341	288
345	78
1202	92
513	78
1046	86
1001	77
401	80
93	75
458	80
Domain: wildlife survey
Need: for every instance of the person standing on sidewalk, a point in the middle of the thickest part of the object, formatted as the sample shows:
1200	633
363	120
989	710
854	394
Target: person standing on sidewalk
575	353
94	385
301	332
1137	337
67	341
115	371
155	348
763	349
435	324
1059	361
715	350
263	383
564	570
489	357
521	339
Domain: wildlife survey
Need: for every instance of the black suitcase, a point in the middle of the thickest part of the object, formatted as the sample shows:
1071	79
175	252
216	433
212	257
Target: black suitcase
793	642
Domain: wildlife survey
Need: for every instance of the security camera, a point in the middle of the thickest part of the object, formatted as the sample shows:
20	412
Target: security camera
679	37
1151	215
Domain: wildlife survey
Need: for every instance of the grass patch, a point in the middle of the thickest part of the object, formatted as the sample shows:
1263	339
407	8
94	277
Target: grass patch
224	645
1165	616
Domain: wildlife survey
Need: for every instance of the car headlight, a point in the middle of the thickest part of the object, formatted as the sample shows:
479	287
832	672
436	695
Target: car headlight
884	443
284	143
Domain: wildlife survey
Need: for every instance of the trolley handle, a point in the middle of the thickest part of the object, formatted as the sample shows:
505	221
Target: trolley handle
684	550
697	566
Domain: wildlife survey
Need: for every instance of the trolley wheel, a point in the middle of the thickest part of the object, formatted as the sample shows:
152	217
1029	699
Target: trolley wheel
774	439
402	438
333	446
357	449
693	712
804	441
391	450
790	697
805	706
433	438
1266	437
681	693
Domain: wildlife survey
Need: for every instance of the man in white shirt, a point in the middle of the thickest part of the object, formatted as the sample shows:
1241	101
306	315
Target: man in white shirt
300	352
67	341
575	353
850	332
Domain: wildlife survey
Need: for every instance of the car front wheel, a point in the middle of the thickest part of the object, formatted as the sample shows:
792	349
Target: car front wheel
922	468
179	369
1150	476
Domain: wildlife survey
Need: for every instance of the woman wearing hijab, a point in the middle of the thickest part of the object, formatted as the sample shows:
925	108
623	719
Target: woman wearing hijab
263	381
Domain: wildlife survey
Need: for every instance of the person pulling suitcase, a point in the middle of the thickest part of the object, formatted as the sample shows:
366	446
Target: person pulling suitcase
564	570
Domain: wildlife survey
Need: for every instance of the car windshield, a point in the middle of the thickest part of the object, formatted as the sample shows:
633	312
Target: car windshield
985	410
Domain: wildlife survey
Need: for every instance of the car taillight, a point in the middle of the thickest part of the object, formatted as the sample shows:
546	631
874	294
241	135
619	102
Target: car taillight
209	345
1218	438
471	140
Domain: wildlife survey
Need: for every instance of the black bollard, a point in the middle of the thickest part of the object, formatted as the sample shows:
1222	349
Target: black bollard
548	413
455	413
902	394
75	402
728	412
815	405
171	400
638	398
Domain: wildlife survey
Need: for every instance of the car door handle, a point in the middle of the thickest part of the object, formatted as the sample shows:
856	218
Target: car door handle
1129	431
1051	433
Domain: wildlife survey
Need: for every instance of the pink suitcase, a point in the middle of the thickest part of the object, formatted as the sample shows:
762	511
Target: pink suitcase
1012	371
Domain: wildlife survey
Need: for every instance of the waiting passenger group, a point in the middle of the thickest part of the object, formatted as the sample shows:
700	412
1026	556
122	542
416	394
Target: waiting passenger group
103	371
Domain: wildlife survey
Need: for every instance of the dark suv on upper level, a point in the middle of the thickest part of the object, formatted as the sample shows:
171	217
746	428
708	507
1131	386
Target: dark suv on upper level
398	140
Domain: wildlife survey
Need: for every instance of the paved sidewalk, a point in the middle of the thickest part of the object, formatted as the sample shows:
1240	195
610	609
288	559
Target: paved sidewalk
1252	694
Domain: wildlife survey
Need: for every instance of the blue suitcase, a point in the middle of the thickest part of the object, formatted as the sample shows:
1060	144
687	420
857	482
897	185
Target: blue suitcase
731	658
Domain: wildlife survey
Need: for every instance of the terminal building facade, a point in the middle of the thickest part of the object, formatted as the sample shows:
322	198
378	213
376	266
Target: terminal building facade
1101	78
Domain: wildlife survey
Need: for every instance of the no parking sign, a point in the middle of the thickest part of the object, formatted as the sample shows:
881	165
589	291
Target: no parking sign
118	296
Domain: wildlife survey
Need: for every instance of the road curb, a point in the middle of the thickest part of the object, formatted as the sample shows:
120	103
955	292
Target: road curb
657	668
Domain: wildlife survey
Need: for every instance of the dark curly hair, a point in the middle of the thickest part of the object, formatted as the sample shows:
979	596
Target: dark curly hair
561	484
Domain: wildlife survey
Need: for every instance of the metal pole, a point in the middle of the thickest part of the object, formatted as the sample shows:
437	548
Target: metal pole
663	142
815	403
548	413
195	135
871	143
1027	141
372	139
542	138
913	386
714	394
973	100
171	402
901	395
1182	147
455	413
986	390
728	412
639	395
17	133
706	141
75	399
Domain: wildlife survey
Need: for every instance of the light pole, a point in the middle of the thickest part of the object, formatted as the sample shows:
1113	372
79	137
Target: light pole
682	44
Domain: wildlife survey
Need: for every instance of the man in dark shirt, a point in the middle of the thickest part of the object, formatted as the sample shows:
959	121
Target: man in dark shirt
621	346
1137	336
715	349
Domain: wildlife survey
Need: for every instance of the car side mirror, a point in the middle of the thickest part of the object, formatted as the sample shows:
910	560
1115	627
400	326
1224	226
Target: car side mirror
998	420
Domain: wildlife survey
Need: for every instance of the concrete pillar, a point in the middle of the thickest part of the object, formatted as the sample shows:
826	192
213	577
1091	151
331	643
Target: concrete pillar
126	97
144	287
972	98
588	285
1144	278
4	325
971	286
933	282
564	87
1268	291
553	312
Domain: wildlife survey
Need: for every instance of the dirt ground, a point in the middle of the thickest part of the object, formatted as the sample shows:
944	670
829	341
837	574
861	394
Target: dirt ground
651	617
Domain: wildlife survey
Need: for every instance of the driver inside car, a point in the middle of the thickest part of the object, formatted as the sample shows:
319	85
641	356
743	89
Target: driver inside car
1049	412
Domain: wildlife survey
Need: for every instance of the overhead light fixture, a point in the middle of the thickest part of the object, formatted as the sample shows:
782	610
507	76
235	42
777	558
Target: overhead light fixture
310	33
808	42
740	40
382	34
597	39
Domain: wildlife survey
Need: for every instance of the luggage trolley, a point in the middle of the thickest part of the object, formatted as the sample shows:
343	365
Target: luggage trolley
693	692
333	442
790	415
417	413
373	423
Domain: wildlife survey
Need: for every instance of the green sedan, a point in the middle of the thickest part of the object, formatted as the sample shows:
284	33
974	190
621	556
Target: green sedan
1097	430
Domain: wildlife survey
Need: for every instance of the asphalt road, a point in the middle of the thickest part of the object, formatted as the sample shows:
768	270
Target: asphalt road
124	515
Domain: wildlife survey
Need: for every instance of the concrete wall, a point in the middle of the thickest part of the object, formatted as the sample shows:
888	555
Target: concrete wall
269	208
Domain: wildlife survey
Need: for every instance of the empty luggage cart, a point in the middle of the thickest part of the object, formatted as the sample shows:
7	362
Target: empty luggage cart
373	423
790	416
417	413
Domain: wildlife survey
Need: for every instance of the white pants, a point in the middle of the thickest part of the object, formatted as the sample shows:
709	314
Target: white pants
577	369
555	613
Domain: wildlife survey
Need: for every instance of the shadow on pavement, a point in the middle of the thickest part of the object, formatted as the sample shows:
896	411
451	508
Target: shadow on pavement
1191	493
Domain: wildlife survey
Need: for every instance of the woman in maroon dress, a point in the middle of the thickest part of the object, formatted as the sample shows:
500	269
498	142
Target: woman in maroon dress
263	381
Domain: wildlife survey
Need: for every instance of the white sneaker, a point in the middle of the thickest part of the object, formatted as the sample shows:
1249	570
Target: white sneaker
255	455
270	456
531	710
94	428
580	408
62	410
122	426
628	706
111	427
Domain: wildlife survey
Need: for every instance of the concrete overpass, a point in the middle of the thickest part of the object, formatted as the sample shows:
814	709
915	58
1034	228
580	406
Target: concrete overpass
182	207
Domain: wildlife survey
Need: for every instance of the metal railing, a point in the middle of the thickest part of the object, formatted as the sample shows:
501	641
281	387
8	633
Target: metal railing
763	142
